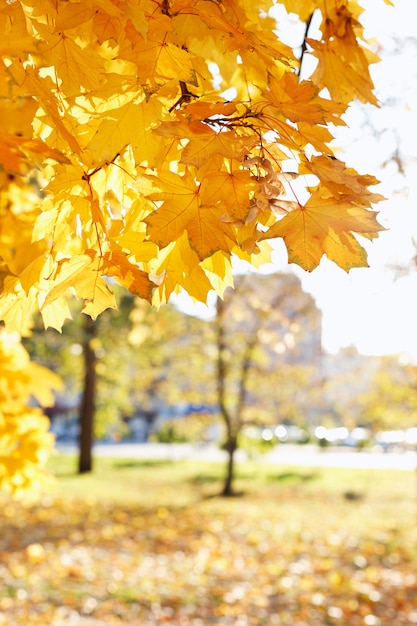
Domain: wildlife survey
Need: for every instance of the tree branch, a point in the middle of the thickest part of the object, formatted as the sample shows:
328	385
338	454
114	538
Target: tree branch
304	44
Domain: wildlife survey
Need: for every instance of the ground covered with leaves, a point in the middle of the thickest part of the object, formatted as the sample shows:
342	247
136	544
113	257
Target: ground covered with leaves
284	554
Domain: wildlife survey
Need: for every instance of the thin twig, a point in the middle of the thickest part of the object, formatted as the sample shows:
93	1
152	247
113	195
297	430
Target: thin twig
304	44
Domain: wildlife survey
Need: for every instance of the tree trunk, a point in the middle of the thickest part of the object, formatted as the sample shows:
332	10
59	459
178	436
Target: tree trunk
231	447
87	408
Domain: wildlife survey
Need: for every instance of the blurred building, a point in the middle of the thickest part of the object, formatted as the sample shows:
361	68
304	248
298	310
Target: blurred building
287	317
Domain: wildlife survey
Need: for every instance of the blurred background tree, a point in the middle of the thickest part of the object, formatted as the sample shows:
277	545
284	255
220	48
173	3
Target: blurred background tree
391	401
268	337
92	358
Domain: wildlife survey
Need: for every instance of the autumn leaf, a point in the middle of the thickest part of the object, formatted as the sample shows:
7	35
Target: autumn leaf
162	60
179	204
204	142
17	154
325	226
137	281
133	242
16	39
66	53
300	102
54	314
132	123
82	274
344	81
42	89
341	180
179	266
231	190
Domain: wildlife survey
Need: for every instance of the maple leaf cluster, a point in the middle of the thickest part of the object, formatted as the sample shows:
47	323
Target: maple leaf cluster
150	142
25	442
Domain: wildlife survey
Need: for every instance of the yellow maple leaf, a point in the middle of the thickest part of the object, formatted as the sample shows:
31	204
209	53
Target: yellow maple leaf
54	314
133	242
208	233
78	66
178	203
344	81
183	209
179	266
15	38
82	274
43	89
16	308
300	101
161	60
343	66
326	226
132	123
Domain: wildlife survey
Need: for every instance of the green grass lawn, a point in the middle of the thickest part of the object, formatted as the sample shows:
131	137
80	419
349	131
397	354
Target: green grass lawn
388	497
151	542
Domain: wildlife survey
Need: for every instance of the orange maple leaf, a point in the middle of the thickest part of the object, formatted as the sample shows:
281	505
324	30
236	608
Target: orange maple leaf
325	225
341	180
183	209
19	153
229	189
116	264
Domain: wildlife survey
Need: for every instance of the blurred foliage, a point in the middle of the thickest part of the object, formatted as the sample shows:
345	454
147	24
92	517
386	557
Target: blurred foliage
175	354
25	442
141	361
169	433
268	340
192	428
271	341
271	366
391	401
62	353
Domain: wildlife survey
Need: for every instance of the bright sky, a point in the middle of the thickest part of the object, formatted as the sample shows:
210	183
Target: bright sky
373	308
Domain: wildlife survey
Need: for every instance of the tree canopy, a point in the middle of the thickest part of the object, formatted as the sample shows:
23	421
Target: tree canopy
268	345
150	142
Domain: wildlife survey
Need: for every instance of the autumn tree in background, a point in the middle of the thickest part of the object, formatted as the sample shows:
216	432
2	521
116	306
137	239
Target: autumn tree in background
151	142
266	353
341	373
174	358
391	401
253	363
98	367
